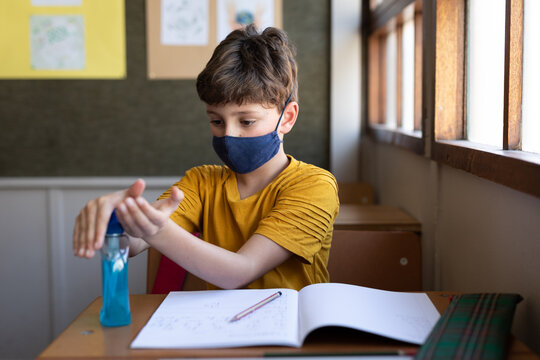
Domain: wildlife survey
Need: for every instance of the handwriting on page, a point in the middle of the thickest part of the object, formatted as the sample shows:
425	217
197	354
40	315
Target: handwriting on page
216	317
413	325
209	319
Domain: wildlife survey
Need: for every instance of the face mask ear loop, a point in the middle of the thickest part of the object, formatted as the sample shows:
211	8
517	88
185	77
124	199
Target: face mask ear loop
282	111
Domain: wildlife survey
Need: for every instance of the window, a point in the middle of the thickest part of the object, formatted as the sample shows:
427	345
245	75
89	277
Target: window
530	140
481	76
485	72
486	90
395	73
407	77
373	4
391	79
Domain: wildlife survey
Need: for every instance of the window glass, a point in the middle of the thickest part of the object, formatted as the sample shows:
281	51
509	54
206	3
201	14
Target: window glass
391	78
530	120
407	77
485	71
394	74
374	3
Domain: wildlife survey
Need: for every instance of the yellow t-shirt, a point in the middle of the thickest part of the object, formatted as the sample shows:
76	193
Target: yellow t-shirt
296	210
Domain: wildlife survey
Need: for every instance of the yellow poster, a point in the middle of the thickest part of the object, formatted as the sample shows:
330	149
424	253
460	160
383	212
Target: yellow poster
59	39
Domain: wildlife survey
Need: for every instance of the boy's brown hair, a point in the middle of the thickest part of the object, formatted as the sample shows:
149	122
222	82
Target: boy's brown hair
250	67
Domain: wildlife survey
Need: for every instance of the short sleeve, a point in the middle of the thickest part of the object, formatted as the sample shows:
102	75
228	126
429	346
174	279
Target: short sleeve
303	215
189	212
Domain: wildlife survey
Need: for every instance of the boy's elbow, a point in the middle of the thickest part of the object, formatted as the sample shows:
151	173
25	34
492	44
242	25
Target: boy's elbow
241	276
236	282
231	286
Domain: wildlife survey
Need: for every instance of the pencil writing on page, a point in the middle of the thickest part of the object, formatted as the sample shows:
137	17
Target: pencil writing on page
258	305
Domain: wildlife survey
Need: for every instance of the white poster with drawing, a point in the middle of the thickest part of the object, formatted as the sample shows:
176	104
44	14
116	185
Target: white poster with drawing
57	42
184	22
233	14
56	2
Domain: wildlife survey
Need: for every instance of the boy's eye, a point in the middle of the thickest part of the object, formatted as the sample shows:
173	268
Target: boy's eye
216	122
247	122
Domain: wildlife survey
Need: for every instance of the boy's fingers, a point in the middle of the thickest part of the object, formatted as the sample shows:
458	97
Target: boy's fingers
103	214
79	236
177	194
153	214
136	189
91	223
138	219
87	227
170	204
105	207
76	235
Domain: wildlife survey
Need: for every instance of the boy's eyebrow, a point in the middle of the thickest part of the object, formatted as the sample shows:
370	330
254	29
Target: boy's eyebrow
244	112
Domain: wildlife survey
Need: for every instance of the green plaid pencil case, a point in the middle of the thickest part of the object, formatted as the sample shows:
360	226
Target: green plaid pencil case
475	326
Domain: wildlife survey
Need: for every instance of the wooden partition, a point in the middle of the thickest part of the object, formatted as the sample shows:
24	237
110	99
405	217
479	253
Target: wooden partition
356	193
389	260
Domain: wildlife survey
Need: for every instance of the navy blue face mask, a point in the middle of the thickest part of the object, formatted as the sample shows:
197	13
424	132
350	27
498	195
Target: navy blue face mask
245	154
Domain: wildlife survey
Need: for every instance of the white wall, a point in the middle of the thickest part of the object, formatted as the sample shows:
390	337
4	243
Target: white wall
43	285
476	235
345	89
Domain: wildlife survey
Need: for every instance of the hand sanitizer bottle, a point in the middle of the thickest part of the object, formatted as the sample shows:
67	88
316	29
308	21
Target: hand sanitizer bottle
114	267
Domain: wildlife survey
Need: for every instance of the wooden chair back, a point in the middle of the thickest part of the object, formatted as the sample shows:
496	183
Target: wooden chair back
356	193
388	260
191	282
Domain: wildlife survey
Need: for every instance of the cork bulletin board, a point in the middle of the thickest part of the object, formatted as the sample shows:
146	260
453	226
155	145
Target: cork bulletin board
181	35
135	126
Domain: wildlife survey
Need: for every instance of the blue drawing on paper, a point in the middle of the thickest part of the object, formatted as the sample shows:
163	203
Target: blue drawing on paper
234	14
244	17
57	42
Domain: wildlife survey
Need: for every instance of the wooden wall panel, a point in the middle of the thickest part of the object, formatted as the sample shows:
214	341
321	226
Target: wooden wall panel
449	70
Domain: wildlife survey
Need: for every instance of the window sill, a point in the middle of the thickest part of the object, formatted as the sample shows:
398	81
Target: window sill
516	169
411	141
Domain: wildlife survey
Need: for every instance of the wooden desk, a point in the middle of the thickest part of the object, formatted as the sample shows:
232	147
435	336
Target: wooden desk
375	217
86	338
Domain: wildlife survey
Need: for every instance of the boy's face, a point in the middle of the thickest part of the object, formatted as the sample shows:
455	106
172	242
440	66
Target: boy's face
247	120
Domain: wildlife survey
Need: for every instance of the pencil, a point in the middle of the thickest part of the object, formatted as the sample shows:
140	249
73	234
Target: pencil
258	305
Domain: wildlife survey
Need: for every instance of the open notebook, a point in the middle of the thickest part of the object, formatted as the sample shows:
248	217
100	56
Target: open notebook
202	319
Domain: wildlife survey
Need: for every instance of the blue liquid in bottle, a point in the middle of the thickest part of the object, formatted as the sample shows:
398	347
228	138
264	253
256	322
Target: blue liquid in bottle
114	266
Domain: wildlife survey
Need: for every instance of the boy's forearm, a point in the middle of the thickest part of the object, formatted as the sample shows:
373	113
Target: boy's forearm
220	267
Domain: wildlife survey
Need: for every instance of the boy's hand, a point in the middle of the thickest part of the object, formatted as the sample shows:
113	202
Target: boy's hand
141	219
91	223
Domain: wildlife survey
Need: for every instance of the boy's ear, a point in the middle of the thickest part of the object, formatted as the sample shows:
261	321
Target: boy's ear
289	117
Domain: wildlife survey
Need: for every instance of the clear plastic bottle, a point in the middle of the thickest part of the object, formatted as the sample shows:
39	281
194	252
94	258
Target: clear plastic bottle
114	267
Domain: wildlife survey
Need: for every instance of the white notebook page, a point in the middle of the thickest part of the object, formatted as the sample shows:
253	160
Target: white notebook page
201	319
402	316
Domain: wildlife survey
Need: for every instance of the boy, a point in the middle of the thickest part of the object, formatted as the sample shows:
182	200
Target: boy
266	219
